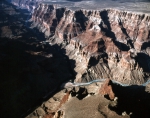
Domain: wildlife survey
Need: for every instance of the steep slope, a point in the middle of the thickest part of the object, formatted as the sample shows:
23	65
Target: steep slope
105	44
28	68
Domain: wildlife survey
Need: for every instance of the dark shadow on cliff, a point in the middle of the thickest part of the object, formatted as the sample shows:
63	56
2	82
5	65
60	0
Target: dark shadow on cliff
133	100
14	22
122	28
143	61
107	31
145	45
97	59
29	78
81	19
30	71
82	93
129	41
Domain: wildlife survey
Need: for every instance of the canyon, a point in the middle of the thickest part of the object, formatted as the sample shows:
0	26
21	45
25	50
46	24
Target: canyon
60	46
105	44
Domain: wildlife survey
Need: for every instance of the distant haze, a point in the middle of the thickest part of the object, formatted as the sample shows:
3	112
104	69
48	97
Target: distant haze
130	5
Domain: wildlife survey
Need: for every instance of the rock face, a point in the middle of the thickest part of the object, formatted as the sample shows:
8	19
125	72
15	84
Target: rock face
27	4
105	44
106	89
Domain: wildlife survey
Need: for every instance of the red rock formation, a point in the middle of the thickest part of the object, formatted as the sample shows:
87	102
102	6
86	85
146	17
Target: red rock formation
106	89
55	113
107	42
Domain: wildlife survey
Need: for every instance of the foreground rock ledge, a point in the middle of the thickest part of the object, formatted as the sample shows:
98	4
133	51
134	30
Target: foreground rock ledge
98	100
104	44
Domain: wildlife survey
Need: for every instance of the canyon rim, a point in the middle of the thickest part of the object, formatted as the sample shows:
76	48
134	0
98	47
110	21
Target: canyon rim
51	46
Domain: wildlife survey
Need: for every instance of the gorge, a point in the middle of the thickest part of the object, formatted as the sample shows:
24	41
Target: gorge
104	44
63	46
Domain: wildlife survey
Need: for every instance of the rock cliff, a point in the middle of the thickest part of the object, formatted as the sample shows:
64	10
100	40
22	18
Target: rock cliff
105	44
27	4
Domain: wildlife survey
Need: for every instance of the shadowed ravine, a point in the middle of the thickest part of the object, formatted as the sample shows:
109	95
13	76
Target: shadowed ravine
55	61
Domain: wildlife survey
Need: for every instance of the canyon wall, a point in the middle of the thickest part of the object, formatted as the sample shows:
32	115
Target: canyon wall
105	44
100	44
26	4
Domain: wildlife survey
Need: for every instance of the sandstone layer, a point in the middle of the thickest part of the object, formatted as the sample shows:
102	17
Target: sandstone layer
105	44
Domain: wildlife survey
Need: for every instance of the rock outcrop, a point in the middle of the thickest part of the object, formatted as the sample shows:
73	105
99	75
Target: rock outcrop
118	102
132	100
106	89
105	44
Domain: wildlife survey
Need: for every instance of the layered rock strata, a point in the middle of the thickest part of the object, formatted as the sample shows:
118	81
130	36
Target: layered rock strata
105	44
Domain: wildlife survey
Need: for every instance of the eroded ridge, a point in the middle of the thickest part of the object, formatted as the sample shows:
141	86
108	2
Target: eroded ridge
105	44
